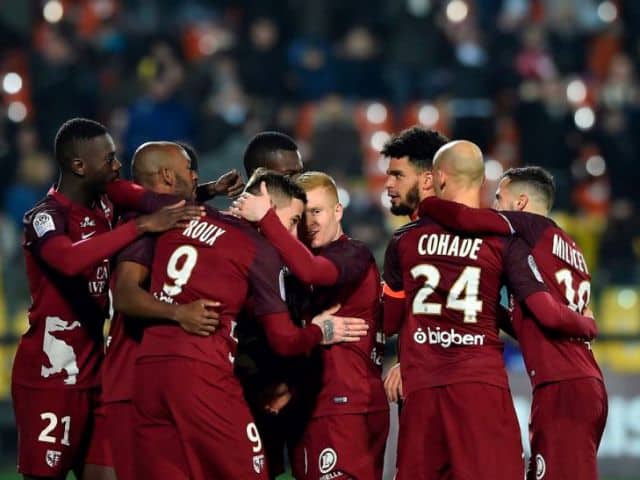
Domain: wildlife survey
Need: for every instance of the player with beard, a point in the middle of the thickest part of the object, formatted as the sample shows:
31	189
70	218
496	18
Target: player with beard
349	419
68	240
409	181
565	433
442	294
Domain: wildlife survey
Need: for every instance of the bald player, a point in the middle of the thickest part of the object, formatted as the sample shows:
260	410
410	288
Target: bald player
162	167
561	368
442	293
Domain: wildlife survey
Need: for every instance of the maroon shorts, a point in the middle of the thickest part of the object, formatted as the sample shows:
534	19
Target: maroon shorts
99	448
567	422
120	418
466	431
343	446
187	427
54	429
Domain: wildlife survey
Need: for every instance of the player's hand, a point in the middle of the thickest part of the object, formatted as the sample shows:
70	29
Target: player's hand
199	317
230	184
252	207
278	399
177	215
393	384
339	329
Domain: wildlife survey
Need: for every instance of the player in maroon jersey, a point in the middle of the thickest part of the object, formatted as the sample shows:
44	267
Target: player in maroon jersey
409	181
564	434
346	435
442	294
192	421
68	241
162	167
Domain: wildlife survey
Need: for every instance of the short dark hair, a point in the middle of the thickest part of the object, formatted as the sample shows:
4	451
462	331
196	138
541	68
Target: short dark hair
417	143
193	155
278	185
70	132
264	144
537	178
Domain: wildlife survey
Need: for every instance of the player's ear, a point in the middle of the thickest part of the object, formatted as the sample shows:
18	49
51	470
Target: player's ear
168	176
426	180
78	166
339	211
522	202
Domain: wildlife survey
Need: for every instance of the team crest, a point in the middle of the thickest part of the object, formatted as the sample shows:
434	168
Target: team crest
541	467
52	458
258	463
327	460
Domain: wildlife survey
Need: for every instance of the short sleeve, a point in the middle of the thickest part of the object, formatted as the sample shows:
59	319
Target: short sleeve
392	273
266	280
522	274
351	258
43	223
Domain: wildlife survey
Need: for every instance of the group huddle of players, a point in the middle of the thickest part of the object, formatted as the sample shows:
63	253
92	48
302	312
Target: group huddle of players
239	335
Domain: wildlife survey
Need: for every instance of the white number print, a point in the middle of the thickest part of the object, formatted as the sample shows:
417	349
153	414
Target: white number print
254	437
463	295
53	423
180	274
575	303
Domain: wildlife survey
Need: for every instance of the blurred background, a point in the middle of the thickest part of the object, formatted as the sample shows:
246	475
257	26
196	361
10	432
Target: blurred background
546	82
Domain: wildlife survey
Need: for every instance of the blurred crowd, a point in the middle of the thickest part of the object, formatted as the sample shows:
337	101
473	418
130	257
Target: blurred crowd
546	82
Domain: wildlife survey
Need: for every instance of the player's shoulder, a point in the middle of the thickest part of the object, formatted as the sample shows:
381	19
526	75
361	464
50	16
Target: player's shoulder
44	215
245	230
519	219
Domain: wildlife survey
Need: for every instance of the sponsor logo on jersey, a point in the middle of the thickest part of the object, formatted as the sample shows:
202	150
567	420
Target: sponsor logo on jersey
258	463
541	467
52	457
43	223
446	338
327	460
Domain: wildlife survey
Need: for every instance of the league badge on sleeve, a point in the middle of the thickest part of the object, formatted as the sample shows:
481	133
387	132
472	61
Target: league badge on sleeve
43	223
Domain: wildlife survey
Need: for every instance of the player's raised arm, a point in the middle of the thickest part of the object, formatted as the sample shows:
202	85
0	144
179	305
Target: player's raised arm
307	267
527	284
46	231
457	216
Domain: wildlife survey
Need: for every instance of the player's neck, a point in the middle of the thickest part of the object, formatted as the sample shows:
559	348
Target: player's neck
537	210
76	191
470	199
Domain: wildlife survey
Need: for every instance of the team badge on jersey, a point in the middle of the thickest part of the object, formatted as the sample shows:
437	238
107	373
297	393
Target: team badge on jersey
541	467
43	223
327	460
258	463
52	457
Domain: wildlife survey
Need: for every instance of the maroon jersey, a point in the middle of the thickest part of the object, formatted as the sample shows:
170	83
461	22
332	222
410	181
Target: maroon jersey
351	372
452	287
125	334
550	357
63	345
220	258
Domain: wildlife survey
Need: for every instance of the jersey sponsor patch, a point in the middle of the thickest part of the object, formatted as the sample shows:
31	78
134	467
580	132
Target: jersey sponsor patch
43	223
534	268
